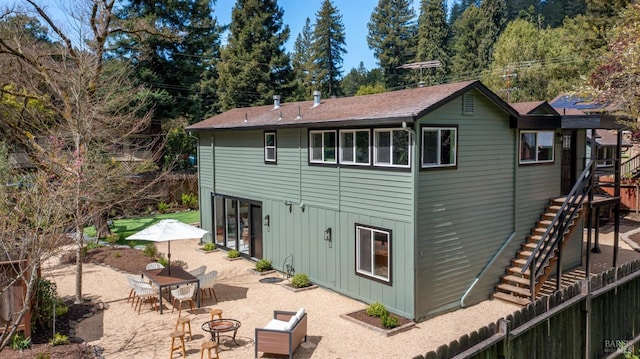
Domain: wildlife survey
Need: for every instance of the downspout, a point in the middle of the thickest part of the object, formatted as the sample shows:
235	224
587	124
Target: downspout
511	236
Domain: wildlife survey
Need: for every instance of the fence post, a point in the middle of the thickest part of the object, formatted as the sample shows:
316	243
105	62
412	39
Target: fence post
503	328
585	289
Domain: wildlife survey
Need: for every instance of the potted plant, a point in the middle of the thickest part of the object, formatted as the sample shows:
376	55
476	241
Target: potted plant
233	255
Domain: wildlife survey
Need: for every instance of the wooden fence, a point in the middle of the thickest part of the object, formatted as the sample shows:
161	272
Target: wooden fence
598	317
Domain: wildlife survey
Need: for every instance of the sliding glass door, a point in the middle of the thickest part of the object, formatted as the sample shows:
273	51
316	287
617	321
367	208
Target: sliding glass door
238	225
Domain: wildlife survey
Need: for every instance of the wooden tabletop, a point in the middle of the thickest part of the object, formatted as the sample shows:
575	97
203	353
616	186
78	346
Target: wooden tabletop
161	277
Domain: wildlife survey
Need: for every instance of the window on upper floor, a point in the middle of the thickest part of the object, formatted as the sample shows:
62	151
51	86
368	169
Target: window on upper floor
322	146
270	147
439	147
536	146
354	147
373	253
392	148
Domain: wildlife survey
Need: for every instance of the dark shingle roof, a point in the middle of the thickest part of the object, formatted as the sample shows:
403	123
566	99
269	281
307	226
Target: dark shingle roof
397	106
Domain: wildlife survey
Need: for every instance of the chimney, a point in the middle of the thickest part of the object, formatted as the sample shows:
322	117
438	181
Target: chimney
276	101
316	98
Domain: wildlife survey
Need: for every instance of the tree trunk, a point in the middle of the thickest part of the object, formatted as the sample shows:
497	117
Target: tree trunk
101	224
79	244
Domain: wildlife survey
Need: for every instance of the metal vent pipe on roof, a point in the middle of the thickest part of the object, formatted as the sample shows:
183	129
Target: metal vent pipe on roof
276	101
316	98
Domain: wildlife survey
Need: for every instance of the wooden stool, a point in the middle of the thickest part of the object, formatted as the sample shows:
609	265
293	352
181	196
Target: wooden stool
175	335
208	345
184	321
217	312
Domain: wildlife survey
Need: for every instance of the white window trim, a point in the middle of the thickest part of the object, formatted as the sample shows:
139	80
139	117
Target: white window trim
311	133
536	161
354	162
275	148
439	147
375	149
372	274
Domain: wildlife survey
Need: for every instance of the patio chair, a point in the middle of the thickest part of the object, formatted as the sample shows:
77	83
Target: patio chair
154	265
144	292
207	281
182	294
198	271
132	284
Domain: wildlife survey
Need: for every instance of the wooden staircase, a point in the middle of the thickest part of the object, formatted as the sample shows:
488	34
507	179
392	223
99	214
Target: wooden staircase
515	285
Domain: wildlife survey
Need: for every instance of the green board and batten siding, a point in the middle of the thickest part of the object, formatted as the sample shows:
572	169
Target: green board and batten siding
464	214
333	197
205	182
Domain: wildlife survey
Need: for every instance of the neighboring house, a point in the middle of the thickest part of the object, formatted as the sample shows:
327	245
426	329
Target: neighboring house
417	198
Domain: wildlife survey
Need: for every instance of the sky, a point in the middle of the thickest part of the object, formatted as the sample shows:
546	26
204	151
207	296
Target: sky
355	16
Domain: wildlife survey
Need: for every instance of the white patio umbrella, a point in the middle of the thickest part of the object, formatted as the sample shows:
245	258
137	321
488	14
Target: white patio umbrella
168	230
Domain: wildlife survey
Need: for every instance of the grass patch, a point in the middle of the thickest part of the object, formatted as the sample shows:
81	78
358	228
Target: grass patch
128	226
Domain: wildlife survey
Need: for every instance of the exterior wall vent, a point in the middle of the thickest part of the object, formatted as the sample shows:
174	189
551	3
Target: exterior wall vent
316	98
468	103
276	101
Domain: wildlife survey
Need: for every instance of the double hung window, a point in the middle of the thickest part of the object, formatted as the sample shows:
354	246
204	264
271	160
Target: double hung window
270	147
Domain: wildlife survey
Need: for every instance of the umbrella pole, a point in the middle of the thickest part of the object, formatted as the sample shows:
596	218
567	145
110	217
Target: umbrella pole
169	256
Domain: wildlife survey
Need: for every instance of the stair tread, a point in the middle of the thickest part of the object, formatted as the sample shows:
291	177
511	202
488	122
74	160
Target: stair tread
511	299
519	271
513	278
513	289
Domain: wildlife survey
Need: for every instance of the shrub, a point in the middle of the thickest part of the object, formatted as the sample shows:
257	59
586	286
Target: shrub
189	200
263	265
19	342
59	339
46	301
112	239
163	207
389	321
92	245
117	255
150	250
209	246
43	356
377	309
162	260
234	253
300	280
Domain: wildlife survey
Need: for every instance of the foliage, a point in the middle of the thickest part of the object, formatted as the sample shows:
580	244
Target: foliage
43	356
59	339
112	239
163	207
253	65
173	56
389	321
392	36
302	63
47	303
328	47
377	309
163	260
117	255
361	77
19	342
370	89
189	200
465	63
150	250
180	149
263	265
616	80
127	226
208	246
300	280
234	253
433	39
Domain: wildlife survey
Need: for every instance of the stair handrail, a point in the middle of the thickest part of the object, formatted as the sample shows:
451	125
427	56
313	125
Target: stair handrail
552	237
628	166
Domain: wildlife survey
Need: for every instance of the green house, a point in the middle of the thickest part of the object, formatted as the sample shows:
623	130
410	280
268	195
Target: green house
417	198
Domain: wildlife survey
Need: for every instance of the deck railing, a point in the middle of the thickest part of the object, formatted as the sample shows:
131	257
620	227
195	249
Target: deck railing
630	167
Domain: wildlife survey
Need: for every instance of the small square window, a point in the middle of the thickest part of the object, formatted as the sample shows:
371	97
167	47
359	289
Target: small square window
373	253
354	147
392	148
322	146
270	147
536	146
439	146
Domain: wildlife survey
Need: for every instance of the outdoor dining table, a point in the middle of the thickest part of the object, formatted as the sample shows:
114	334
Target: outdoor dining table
161	278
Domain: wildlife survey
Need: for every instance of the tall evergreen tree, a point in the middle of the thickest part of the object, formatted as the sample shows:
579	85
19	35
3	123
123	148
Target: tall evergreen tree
174	55
493	22
433	38
514	7
254	66
459	7
302	63
555	11
391	35
328	48
465	62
